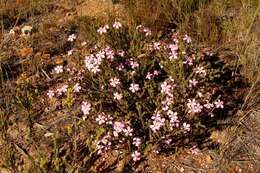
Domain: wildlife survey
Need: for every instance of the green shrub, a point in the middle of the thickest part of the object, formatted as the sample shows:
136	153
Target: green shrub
148	90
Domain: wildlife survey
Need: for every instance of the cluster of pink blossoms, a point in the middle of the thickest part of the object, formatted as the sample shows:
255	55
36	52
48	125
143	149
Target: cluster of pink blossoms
155	73
158	122
174	121
121	128
109	53
167	114
63	90
133	63
173	54
137	141
144	30
104	144
166	103
194	106
117	25
93	62
104	29
104	119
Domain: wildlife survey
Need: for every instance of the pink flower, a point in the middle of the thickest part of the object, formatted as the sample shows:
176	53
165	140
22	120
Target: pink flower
62	90
109	53
193	82
173	56
201	71
136	155
134	87
208	105
193	106
187	39
158	122
120	127
104	144
103	30
77	87
156	72
85	107
194	150
70	52
121	53
166	103
128	130
72	37
114	82
117	25
173	47
50	93
173	51
149	76
166	88
156	46
58	69
147	32
137	141
219	104
118	96
120	67
188	61
174	122
133	64
93	62
83	43
168	141
101	119
186	126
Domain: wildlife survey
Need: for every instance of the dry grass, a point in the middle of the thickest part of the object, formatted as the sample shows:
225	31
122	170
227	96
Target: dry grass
228	27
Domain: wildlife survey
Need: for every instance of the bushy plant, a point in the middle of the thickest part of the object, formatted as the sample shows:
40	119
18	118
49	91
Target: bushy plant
145	91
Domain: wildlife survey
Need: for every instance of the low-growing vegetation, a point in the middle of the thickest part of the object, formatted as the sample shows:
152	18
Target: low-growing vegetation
141	86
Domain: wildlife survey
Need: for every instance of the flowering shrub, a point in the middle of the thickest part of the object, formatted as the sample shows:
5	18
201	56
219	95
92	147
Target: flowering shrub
142	90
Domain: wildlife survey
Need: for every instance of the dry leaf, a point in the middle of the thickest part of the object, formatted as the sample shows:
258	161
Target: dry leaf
59	60
208	159
25	52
